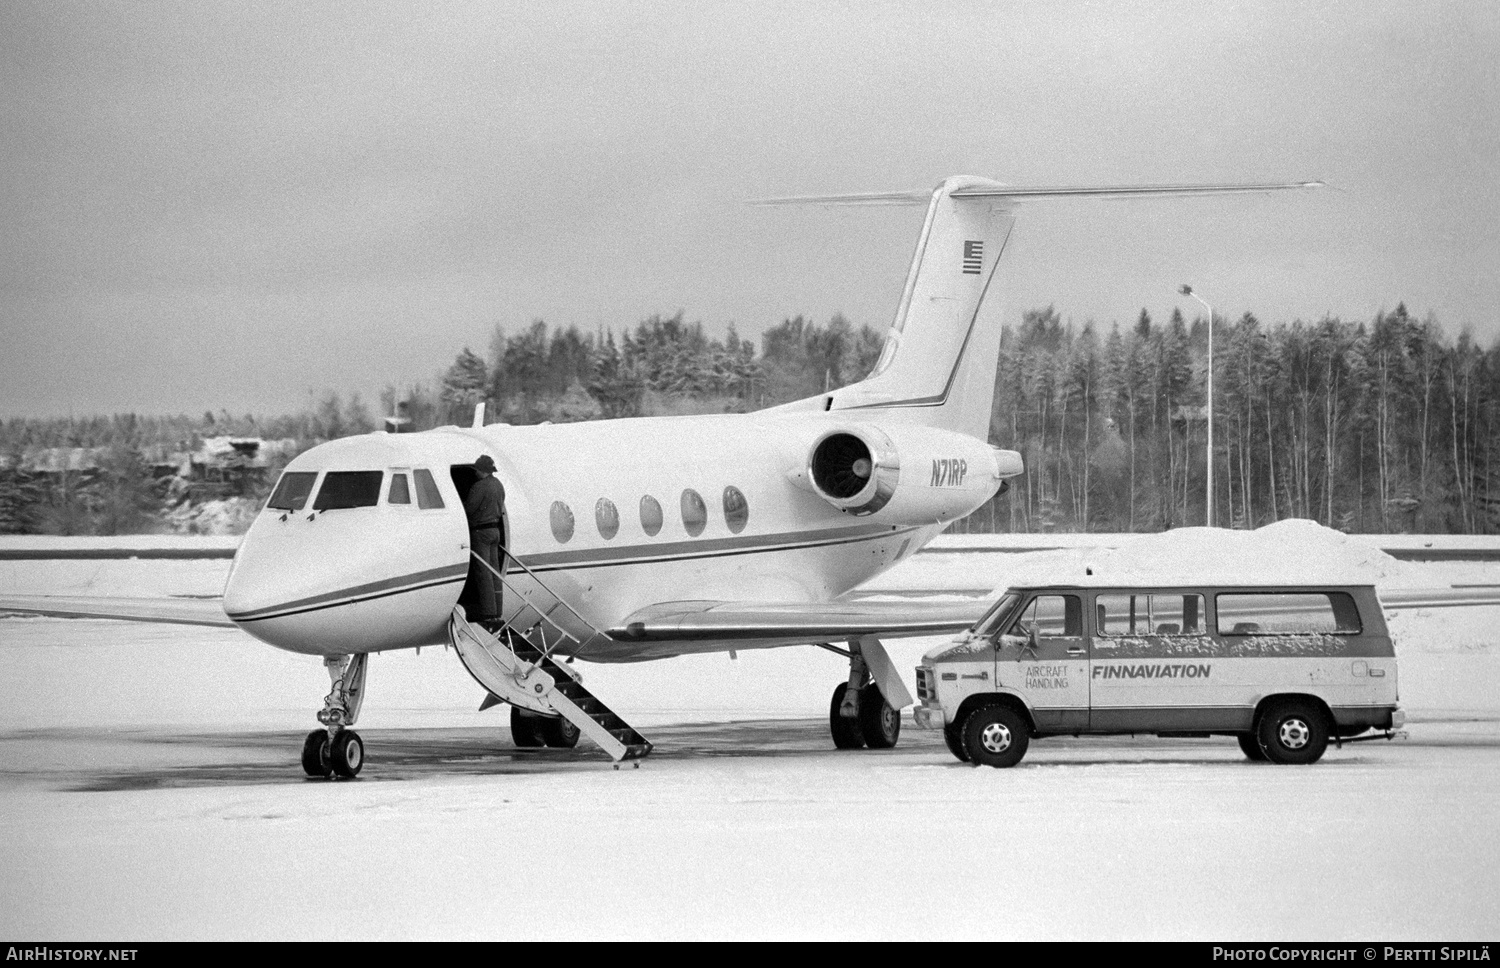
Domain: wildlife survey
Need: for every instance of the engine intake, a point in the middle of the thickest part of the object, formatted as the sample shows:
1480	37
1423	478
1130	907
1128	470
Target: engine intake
855	472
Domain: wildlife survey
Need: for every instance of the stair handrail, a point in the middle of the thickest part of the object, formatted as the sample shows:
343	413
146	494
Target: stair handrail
547	650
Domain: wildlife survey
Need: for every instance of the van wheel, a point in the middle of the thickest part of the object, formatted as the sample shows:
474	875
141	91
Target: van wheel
1293	732
995	736
1250	746
953	735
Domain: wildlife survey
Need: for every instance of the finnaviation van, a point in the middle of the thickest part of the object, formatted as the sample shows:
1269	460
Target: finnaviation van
1283	669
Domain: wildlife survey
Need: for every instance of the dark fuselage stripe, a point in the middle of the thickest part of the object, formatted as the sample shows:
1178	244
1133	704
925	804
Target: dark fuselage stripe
279	613
374	589
456	573
717	548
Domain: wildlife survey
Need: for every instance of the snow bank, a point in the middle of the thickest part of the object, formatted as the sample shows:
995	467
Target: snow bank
1292	552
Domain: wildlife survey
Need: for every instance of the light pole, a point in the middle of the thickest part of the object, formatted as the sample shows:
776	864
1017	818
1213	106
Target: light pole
1187	290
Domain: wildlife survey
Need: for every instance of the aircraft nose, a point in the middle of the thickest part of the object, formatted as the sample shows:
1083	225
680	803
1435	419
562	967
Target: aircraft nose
344	582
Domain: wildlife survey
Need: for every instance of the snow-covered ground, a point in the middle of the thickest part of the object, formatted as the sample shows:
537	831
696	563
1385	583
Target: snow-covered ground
149	789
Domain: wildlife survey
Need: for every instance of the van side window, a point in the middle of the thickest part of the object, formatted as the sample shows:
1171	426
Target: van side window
1052	616
1287	613
400	492
428	495
1159	613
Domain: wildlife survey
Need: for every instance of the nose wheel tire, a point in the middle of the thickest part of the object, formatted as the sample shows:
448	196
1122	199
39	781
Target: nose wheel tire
1294	732
879	721
995	736
316	759
847	734
347	754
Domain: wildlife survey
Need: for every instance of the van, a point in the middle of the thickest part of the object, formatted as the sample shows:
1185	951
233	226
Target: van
1283	669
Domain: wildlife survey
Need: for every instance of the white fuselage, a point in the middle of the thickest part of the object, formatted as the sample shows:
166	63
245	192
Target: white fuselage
386	576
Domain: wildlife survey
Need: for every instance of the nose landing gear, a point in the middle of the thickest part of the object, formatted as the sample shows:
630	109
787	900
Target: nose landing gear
337	750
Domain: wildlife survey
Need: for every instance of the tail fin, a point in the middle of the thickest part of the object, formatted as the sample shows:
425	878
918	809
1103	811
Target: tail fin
938	367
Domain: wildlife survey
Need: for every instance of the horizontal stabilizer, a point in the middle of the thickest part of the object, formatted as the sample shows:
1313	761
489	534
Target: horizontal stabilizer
1023	194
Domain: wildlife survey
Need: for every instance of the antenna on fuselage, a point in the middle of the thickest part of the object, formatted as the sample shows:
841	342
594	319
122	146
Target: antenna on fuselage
397	420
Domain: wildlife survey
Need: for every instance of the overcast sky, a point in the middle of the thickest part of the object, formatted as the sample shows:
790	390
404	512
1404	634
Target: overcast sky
232	205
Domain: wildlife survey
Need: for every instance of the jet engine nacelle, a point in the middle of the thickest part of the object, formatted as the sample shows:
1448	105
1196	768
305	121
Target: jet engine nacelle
907	473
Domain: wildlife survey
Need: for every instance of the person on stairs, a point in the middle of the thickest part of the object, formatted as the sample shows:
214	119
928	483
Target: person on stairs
485	507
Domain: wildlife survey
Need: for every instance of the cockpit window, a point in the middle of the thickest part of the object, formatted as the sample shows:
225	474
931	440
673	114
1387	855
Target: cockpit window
292	490
348	489
400	492
428	495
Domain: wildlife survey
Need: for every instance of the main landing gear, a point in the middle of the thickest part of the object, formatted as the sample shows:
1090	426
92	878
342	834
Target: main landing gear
337	750
860	713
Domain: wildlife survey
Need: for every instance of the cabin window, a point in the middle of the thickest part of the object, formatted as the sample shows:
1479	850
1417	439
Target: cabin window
1288	613
292	490
562	522
694	512
606	518
428	495
1118	614
650	515
348	489
400	492
736	509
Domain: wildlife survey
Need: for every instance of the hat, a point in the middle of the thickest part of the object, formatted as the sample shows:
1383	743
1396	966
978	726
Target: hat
485	463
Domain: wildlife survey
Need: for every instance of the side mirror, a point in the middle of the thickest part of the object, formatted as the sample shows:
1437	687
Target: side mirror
1031	639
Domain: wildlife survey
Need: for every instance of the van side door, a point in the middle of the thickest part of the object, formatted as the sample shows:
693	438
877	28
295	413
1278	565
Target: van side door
1044	656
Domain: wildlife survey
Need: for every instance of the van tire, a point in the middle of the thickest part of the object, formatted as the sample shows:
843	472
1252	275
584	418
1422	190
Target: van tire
995	736
953	735
1293	732
1250	746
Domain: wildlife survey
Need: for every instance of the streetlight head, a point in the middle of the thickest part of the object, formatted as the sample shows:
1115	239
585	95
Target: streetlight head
1186	290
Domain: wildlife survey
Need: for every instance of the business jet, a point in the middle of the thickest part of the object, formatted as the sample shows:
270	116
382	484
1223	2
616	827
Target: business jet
637	539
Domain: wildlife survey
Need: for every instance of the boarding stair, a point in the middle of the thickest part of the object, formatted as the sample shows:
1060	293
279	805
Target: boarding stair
514	660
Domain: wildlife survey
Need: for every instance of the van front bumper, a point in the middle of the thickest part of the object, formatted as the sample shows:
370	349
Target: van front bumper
928	717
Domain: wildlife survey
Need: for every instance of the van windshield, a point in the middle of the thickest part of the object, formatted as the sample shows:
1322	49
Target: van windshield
995	617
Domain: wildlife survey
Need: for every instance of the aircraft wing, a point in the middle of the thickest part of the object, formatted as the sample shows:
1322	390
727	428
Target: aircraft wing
762	624
173	611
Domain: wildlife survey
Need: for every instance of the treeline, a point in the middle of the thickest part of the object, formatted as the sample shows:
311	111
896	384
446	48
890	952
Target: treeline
664	366
1387	425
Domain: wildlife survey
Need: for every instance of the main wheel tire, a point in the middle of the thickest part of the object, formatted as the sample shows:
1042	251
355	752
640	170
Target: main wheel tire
1293	732
846	732
347	754
1250	746
953	735
526	728
995	736
559	732
879	721
315	755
